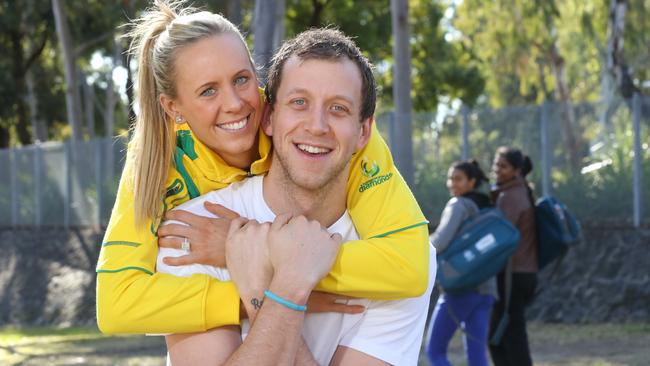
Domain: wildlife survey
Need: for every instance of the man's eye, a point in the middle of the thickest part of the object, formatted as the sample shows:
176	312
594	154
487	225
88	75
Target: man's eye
299	102
241	80
339	108
208	92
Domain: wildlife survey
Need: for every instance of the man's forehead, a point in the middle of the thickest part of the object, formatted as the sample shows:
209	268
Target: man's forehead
304	73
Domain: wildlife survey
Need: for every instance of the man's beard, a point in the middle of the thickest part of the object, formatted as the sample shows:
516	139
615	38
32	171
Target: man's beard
320	183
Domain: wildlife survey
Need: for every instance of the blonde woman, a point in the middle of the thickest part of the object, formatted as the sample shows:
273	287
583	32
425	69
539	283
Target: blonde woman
198	131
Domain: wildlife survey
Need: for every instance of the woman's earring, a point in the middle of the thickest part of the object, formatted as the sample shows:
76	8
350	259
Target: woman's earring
179	119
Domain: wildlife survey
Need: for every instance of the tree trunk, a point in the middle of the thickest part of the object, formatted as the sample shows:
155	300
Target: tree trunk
278	31
89	108
129	87
72	98
4	137
111	99
263	28
568	115
611	75
317	16
233	11
402	90
39	131
18	75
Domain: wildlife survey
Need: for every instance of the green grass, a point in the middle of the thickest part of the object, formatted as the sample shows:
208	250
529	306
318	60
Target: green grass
77	346
552	345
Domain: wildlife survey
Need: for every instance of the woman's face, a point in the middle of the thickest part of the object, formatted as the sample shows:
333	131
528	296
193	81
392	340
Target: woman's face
217	94
502	170
458	183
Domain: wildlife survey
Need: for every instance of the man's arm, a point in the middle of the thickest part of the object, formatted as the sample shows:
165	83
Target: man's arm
275	335
300	253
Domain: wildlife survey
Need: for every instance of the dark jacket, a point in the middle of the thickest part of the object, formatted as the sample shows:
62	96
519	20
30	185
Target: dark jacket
515	200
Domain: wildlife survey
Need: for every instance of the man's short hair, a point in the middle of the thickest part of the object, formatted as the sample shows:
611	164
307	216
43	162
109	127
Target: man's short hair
324	44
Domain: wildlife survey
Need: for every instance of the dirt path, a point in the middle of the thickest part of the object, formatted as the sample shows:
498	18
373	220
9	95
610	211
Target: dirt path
552	344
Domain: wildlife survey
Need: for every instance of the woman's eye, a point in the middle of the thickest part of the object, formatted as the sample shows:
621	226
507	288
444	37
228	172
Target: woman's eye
299	102
241	80
208	92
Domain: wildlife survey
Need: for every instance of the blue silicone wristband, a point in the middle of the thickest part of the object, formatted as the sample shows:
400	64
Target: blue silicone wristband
284	302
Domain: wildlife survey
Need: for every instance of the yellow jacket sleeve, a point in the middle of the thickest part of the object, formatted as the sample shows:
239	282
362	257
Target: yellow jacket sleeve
392	259
133	298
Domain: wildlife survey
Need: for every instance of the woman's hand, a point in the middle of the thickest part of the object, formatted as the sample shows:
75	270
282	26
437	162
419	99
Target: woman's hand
207	236
323	302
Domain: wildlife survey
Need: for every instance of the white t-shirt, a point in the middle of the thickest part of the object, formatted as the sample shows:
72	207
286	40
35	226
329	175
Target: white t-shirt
388	330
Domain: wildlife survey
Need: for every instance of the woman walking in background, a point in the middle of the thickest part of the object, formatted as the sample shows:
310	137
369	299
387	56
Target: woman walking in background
470	310
514	197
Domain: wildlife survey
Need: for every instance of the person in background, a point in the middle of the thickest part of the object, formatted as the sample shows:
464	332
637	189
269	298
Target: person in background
469	310
513	195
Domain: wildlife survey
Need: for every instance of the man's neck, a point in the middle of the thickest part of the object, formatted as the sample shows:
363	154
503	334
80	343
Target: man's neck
325	205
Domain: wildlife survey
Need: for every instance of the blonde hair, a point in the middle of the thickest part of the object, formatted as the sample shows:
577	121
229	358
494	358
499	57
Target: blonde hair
157	36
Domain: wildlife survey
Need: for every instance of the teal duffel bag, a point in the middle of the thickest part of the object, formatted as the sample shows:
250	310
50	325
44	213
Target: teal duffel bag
480	249
557	230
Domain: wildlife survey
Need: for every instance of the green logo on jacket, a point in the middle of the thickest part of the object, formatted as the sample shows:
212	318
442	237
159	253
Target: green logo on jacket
371	173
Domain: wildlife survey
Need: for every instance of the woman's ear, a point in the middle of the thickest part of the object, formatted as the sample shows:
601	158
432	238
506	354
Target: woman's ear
472	182
169	105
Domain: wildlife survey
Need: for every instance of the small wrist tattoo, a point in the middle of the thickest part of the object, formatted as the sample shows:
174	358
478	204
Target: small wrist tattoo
257	304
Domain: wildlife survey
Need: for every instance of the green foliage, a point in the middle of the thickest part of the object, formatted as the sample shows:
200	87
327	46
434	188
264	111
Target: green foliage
511	38
438	67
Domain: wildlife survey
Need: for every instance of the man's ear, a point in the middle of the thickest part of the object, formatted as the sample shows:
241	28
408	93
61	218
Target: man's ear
169	105
366	131
267	113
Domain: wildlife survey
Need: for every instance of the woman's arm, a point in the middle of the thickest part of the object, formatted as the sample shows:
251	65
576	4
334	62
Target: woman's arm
452	217
133	298
392	259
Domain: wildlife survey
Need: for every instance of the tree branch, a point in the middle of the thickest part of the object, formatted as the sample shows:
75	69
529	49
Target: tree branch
82	47
37	52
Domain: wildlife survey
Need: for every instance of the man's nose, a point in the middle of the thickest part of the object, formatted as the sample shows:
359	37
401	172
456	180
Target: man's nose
318	123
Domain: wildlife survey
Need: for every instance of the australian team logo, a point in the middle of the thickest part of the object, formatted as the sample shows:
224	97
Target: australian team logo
374	168
371	171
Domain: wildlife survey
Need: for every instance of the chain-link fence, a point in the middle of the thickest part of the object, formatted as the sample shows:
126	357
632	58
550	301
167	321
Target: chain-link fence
588	163
66	184
60	184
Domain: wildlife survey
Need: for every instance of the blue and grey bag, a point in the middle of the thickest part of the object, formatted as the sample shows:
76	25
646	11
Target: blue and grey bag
479	250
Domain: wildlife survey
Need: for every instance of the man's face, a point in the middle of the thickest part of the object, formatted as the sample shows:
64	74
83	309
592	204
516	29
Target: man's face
315	122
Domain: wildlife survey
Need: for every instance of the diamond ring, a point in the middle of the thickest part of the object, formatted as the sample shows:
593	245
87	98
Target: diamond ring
185	245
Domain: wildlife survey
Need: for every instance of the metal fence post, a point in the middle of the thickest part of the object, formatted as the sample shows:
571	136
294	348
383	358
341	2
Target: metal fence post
68	186
14	187
546	166
38	168
99	147
465	153
637	194
391	131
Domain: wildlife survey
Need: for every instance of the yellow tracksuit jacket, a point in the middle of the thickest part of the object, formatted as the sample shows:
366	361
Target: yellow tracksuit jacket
390	262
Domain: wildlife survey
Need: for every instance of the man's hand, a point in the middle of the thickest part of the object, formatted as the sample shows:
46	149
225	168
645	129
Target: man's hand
301	251
207	235
247	258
